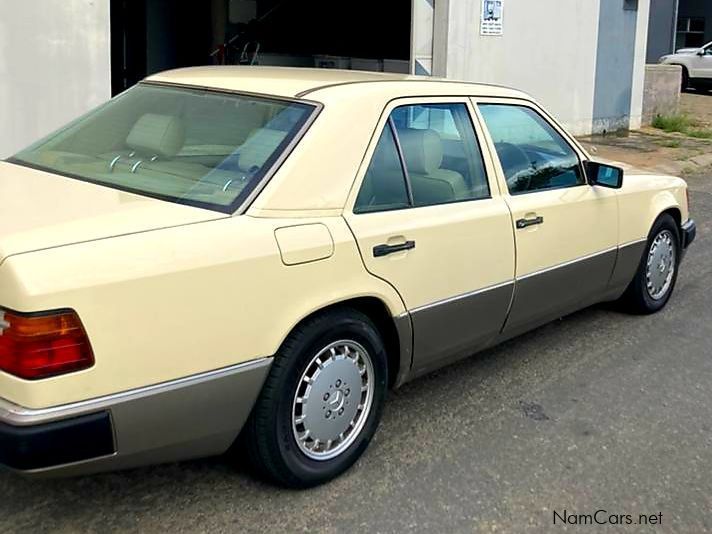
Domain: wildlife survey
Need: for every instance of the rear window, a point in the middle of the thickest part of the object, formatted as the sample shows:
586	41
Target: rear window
189	146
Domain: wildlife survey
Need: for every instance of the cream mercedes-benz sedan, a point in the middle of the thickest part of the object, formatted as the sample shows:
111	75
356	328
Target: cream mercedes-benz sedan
253	256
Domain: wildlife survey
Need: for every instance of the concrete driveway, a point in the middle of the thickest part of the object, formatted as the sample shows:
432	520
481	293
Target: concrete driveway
599	410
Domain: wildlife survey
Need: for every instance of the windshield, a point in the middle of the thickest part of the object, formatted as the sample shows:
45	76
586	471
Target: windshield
189	146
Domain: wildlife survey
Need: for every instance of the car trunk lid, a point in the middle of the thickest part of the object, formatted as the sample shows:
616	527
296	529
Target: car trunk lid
40	210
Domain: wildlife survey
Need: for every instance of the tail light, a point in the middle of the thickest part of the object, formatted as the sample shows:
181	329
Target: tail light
687	195
34	346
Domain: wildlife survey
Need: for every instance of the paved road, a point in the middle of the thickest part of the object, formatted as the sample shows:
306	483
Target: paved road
597	411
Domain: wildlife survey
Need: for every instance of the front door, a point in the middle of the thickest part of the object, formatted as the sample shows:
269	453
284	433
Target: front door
702	64
566	231
429	221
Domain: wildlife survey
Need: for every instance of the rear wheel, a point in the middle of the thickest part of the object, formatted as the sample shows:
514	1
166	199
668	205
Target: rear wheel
322	401
655	278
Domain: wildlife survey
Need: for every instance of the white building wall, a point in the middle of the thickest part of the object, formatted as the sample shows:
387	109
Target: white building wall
54	65
548	49
641	46
421	46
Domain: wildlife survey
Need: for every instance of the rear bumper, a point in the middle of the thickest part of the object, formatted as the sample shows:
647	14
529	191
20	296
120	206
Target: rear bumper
191	417
56	443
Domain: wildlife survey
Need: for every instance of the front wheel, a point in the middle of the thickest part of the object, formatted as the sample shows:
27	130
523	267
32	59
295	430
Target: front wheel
685	80
655	278
322	401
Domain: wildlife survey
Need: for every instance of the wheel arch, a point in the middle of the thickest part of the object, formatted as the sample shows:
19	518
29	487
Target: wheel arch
668	208
675	213
665	202
639	226
395	330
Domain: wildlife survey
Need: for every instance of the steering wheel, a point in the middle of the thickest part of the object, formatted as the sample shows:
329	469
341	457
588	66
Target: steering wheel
514	164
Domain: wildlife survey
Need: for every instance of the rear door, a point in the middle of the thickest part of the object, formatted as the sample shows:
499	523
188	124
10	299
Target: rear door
566	231
429	219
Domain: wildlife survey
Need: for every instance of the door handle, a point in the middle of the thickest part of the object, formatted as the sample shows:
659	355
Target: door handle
523	223
384	250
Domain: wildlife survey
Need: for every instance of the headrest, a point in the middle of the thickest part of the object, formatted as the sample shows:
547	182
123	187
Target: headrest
422	149
259	147
162	135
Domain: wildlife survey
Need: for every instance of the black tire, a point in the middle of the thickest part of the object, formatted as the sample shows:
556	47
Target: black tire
685	80
637	298
268	434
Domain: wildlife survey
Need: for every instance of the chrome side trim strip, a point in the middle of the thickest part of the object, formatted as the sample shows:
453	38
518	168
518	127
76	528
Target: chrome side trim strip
567	263
524	277
634	242
461	296
14	414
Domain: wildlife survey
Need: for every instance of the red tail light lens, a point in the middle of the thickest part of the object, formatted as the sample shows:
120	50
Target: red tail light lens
34	346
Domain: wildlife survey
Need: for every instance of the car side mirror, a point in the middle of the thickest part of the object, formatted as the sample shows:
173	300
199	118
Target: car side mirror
604	175
701	52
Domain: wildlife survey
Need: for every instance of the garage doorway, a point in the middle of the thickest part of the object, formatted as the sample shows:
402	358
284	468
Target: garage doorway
149	36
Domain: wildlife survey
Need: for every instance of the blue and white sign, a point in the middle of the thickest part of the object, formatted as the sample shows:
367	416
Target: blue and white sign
491	23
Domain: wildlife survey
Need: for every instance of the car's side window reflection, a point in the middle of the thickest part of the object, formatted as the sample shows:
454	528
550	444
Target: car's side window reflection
441	160
441	153
533	155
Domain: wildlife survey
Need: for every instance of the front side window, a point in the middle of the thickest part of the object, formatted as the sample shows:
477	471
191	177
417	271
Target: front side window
189	146
533	155
441	160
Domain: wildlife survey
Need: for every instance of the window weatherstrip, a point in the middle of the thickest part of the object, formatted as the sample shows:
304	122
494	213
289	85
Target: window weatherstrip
401	158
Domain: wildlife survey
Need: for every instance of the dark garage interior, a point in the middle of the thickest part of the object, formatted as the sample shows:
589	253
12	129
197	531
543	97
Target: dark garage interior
153	35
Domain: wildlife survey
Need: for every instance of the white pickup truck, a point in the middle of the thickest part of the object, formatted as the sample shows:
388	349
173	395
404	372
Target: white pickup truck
696	66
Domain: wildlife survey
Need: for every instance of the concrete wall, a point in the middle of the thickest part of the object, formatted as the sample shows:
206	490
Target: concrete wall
661	29
620	66
662	91
582	60
54	65
539	53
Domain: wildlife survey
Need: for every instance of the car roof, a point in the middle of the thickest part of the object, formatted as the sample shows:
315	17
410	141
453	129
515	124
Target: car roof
295	82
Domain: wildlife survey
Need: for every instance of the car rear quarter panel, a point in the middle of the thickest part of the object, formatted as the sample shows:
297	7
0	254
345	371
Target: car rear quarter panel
171	303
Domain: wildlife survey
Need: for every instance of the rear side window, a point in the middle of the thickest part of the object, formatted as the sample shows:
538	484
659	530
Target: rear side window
441	160
533	155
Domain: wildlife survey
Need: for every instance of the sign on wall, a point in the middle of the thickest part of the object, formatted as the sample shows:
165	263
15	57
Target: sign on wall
491	23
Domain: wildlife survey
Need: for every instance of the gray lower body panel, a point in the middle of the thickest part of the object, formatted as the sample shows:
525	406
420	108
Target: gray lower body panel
455	328
627	262
550	294
404	328
187	418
